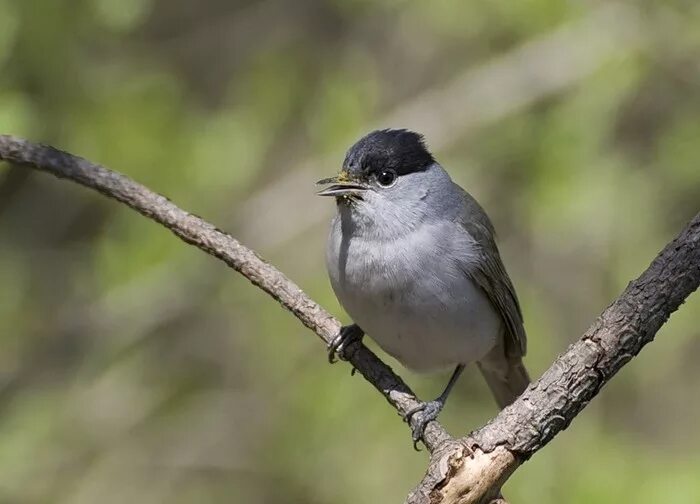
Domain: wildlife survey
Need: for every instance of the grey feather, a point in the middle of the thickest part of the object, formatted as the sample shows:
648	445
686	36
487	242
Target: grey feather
413	260
489	273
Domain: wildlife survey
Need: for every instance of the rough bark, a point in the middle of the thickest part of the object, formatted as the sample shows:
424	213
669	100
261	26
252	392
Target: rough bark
550	404
629	323
468	470
203	235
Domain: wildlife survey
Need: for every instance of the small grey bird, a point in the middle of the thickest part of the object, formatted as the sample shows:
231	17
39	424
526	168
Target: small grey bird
412	258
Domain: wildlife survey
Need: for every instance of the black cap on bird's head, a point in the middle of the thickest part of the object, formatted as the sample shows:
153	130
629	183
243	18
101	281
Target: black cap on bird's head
383	155
401	150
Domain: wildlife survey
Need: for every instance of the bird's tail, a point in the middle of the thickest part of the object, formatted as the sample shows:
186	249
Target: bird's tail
506	377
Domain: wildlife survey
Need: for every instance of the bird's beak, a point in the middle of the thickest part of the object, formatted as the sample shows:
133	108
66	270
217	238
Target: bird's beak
340	186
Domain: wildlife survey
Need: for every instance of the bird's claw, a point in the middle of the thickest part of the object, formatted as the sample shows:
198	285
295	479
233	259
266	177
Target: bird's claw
419	417
347	335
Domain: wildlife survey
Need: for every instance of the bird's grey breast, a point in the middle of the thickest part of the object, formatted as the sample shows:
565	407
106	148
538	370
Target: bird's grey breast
412	294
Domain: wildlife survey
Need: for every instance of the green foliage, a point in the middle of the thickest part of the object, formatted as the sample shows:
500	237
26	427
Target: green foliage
136	369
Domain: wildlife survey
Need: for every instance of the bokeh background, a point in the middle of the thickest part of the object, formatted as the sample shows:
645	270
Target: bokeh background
134	368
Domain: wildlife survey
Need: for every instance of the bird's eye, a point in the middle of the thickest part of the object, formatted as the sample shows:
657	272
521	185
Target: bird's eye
386	178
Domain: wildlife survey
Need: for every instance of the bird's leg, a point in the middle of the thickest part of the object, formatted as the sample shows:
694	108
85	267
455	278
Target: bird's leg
426	412
347	335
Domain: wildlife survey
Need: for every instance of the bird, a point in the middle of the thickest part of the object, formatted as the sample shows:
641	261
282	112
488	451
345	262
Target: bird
412	259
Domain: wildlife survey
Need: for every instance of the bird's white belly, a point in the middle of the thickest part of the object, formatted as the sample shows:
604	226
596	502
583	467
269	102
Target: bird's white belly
419	305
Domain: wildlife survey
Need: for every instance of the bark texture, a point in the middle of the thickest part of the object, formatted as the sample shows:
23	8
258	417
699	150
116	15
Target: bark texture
628	324
550	404
203	235
468	470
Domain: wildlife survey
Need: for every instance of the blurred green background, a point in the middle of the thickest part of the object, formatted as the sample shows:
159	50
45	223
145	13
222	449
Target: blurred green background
134	368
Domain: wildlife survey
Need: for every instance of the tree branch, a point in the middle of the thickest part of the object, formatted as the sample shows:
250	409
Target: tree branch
206	237
550	404
467	470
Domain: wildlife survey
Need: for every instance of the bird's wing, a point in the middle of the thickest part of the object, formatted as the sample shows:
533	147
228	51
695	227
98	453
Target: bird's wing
489	273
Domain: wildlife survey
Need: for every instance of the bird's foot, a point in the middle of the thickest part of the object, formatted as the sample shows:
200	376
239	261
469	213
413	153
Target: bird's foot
347	335
418	418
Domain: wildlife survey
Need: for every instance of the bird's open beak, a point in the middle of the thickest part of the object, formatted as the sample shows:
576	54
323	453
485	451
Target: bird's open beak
341	187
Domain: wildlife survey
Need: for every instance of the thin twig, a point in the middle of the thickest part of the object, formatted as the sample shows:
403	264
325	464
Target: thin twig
205	236
469	470
550	404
